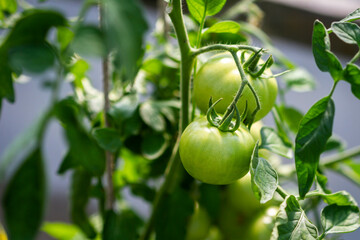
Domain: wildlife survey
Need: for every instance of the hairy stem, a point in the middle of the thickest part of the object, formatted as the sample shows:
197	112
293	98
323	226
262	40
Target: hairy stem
223	47
282	192
187	60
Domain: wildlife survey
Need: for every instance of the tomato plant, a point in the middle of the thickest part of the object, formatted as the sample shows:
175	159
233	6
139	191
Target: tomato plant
213	156
130	144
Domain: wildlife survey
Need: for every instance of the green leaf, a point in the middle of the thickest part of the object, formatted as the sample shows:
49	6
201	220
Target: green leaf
175	210
314	131
154	145
335	143
271	141
89	41
324	58
143	190
34	58
6	82
223	27
83	149
121	226
108	138
341	198
292	222
355	89
200	9
355	15
299	80
340	219
264	179
25	141
123	16
24	198
61	231
151	115
291	116
79	197
348	32
64	37
124	108
352	73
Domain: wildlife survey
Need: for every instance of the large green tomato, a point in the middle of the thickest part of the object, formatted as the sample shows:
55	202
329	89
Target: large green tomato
213	156
262	226
219	78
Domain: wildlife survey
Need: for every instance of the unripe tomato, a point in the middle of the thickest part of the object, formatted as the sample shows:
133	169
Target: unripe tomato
199	224
240	196
261	228
219	78
213	156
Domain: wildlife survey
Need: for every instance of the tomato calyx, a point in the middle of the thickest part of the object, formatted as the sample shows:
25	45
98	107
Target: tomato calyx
225	123
251	65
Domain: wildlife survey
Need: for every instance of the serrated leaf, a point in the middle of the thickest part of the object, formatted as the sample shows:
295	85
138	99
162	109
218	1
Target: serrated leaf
346	31
199	9
340	219
291	116
324	58
151	115
341	198
24	198
292	222
271	141
355	15
107	138
154	145
121	226
299	80
264	179
176	208
123	16
314	131
60	230
79	198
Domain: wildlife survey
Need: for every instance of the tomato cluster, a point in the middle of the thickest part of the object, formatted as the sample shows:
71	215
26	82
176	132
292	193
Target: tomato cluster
212	155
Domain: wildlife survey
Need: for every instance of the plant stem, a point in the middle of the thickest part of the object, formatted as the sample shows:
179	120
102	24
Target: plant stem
109	158
282	192
223	47
187	60
331	160
356	57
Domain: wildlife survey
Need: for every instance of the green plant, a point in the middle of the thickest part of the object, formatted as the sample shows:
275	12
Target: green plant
127	137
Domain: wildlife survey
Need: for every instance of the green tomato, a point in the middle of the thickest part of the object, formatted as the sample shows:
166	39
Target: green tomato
240	196
262	226
213	156
219	78
199	224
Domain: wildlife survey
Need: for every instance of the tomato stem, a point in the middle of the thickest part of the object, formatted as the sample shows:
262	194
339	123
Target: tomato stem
187	60
282	192
223	47
356	57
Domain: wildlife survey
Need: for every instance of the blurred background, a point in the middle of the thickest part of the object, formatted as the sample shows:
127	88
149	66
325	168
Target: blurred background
289	24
